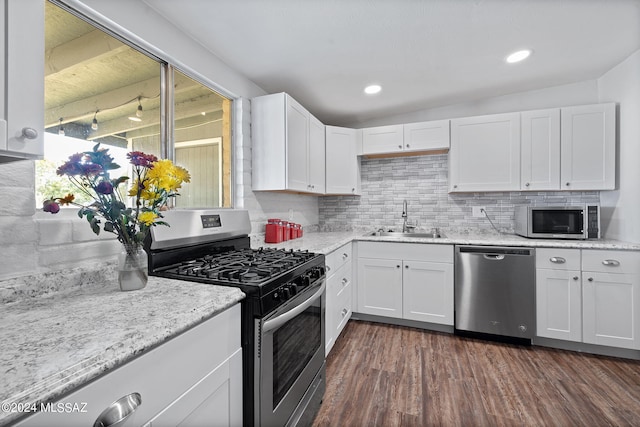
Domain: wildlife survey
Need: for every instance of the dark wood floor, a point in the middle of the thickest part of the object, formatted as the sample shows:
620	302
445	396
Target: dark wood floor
383	375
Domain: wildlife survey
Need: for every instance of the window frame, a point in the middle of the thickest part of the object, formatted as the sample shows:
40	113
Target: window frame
168	66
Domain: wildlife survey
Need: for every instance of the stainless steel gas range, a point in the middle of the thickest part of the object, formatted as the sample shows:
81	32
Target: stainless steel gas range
282	316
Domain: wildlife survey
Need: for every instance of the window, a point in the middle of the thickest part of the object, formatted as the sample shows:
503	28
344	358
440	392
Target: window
99	89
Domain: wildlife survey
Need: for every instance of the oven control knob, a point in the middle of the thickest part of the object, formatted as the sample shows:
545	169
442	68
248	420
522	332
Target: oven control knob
303	281
293	288
287	292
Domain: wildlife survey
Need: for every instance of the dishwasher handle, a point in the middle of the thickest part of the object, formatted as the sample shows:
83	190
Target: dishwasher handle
494	257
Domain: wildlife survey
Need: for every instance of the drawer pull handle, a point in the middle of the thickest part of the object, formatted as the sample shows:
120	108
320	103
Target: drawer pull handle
328	268
575	277
590	279
344	312
611	262
119	410
557	260
345	256
345	281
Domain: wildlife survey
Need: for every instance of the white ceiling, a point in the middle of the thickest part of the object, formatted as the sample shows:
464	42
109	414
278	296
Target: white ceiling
424	53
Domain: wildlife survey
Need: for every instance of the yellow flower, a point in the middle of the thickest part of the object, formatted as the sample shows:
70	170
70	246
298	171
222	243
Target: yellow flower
147	218
182	174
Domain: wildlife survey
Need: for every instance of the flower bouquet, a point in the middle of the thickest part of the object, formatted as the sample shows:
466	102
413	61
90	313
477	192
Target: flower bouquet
154	182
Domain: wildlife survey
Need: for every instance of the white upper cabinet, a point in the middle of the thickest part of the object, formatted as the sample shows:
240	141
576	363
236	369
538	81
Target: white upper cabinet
317	156
382	139
426	136
540	149
342	162
485	153
588	147
288	152
406	138
22	80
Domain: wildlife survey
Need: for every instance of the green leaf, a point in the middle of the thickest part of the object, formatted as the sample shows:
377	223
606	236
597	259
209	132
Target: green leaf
108	226
95	225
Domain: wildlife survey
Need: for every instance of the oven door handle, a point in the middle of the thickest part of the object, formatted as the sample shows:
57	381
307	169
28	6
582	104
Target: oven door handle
280	320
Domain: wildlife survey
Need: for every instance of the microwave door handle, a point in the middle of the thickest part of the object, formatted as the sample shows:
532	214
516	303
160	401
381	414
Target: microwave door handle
280	320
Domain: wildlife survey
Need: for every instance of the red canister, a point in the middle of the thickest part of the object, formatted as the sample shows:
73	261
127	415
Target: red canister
286	231
274	231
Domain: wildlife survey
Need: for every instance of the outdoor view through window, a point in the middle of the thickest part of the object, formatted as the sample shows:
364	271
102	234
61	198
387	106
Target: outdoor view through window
101	90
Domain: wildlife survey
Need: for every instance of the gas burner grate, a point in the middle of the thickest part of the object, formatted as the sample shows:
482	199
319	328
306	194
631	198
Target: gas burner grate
243	265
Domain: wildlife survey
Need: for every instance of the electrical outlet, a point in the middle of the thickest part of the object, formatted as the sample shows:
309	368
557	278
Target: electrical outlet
476	211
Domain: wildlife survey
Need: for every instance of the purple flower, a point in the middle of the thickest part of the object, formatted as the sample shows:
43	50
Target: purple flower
50	206
138	158
104	187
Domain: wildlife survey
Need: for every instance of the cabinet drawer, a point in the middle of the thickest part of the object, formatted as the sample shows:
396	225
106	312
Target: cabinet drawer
343	280
338	258
611	261
342	311
406	251
558	259
159	376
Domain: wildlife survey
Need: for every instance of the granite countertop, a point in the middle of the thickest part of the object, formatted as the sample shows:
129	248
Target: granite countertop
327	242
59	330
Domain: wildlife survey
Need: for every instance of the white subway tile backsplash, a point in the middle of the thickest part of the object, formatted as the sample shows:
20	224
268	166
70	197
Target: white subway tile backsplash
422	181
17	259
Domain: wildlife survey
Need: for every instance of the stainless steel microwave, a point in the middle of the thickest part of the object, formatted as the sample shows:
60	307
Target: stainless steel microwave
558	222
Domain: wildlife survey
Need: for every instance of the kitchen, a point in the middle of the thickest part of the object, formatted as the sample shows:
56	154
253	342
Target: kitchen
424	185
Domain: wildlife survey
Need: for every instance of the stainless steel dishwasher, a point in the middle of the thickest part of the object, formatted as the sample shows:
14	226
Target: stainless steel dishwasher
495	292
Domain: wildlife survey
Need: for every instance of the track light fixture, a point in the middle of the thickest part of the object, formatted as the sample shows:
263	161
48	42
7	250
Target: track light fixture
94	123
60	128
138	116
139	110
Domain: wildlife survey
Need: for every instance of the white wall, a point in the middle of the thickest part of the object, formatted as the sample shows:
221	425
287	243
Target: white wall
31	241
621	208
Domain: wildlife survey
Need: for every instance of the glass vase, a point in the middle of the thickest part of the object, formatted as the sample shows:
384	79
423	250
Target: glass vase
132	268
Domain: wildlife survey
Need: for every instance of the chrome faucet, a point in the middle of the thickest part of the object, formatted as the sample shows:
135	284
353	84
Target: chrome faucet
405	214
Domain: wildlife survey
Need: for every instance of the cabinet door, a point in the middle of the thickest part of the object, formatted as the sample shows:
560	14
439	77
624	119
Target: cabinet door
316	159
611	310
425	136
216	400
559	304
380	287
428	292
343	165
588	147
297	146
382	139
540	149
485	153
23	87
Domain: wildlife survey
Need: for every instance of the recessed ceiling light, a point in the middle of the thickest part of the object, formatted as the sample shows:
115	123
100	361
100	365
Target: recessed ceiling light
518	56
372	89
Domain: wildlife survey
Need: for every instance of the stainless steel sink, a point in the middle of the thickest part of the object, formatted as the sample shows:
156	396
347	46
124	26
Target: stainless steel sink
400	234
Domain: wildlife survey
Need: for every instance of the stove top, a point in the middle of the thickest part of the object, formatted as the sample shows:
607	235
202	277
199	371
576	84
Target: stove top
242	266
213	247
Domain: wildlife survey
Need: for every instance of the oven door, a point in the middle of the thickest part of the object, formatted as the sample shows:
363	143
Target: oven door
289	354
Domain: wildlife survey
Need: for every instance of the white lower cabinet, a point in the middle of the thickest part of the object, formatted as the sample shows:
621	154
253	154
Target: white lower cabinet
427	293
380	287
590	296
406	281
192	379
611	298
558	294
339	291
